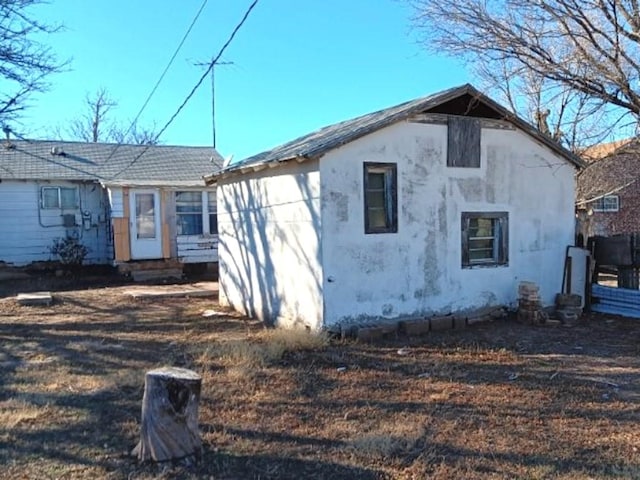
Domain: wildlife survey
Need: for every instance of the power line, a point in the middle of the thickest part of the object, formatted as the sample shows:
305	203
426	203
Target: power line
164	72
213	62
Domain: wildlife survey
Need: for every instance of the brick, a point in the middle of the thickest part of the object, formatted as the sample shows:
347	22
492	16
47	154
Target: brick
419	326
441	323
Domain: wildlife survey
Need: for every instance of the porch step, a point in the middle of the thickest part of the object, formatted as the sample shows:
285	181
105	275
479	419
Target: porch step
156	274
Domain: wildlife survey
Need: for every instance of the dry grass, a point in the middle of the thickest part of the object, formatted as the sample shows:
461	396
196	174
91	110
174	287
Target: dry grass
495	401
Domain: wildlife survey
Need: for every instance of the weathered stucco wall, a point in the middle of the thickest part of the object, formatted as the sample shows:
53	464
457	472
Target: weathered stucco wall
418	270
27	230
269	244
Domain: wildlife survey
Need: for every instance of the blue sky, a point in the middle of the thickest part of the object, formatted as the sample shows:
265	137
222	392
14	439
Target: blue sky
298	65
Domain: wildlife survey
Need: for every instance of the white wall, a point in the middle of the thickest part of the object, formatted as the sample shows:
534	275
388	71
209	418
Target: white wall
417	271
269	244
27	232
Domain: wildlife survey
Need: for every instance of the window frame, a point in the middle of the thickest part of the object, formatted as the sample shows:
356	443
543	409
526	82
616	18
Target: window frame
464	142
212	209
500	237
390	191
206	209
603	202
59	197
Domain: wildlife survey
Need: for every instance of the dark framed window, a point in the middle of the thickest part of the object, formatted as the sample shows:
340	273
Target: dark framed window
608	203
380	198
59	197
485	239
463	144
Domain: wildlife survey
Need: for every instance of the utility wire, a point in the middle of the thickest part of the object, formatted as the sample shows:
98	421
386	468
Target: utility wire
213	62
164	72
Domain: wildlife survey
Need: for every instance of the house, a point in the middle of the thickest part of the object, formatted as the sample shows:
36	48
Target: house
609	189
440	204
125	203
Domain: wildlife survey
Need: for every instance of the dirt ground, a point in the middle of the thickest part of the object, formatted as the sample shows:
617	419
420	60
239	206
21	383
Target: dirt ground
499	400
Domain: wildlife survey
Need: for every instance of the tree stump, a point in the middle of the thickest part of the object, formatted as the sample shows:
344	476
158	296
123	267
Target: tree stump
169	428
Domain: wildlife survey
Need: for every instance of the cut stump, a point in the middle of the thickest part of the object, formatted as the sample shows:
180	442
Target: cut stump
169	428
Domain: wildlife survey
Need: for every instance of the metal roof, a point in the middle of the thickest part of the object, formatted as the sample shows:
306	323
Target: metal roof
315	144
108	163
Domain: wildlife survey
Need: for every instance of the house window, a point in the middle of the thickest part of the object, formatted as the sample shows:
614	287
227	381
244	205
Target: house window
608	203
213	213
485	238
380	198
59	197
463	143
189	213
196	213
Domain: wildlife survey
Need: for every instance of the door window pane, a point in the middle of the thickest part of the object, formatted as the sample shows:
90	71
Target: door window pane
145	215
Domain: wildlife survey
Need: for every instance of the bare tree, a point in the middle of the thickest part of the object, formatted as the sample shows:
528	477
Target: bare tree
135	135
582	54
25	62
567	116
94	124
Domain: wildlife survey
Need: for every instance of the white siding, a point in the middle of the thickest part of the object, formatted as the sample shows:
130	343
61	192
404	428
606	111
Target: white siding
197	248
417	271
116	199
27	232
269	245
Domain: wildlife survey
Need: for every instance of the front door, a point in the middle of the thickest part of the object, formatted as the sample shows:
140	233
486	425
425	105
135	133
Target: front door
146	240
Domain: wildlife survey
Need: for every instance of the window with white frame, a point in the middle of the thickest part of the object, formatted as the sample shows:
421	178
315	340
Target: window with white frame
196	213
485	238
608	203
65	198
213	213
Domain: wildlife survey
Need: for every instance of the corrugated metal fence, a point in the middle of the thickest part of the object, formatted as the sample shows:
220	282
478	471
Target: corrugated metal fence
616	301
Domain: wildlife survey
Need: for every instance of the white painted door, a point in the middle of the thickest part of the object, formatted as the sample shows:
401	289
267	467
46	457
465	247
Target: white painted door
146	238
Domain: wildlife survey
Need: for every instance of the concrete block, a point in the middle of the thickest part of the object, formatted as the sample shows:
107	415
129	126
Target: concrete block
567	318
459	322
35	299
418	326
479	318
441	323
568	300
369	334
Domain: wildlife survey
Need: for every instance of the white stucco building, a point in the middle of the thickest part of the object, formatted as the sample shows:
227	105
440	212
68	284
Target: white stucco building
437	205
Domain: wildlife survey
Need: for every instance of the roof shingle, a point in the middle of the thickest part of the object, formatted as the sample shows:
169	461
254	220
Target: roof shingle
106	162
